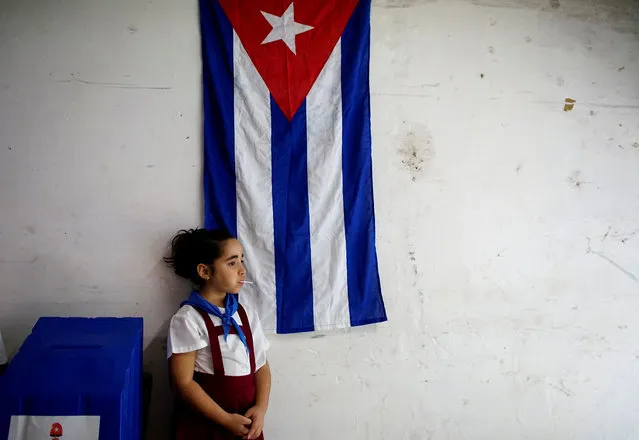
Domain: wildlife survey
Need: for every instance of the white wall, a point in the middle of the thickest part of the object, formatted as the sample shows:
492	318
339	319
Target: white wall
508	228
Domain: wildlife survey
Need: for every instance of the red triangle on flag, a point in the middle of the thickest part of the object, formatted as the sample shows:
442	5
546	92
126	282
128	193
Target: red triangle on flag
289	41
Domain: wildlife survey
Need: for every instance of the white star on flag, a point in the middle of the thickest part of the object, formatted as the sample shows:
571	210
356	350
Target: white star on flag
284	28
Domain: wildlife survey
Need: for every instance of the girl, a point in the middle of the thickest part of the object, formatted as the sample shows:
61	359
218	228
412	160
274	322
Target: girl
216	346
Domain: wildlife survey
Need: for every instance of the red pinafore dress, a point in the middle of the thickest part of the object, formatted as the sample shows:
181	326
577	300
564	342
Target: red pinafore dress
235	394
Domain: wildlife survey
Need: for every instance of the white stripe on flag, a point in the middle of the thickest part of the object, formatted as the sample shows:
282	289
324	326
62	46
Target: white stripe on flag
252	119
326	203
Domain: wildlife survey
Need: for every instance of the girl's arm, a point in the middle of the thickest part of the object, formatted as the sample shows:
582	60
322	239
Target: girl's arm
181	367
263	385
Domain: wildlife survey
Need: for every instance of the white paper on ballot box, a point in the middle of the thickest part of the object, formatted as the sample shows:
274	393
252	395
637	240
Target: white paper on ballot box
54	427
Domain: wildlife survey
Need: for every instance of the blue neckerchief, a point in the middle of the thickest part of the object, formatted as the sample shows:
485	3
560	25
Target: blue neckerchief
196	300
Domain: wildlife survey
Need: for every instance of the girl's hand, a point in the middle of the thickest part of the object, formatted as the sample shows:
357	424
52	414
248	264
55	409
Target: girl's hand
237	424
256	415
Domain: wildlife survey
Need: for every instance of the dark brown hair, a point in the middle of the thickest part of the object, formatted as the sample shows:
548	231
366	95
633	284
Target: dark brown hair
192	247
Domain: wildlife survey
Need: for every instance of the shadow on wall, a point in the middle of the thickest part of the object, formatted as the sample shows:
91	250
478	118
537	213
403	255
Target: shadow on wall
173	291
161	405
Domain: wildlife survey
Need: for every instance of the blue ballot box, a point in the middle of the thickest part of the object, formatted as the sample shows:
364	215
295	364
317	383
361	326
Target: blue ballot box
70	367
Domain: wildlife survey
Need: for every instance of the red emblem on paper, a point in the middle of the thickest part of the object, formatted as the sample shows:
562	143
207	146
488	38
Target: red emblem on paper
56	431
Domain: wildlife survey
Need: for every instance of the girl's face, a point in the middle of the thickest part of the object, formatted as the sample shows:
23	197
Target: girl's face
228	270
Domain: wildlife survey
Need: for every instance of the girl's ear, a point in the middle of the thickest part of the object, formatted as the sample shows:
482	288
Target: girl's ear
204	271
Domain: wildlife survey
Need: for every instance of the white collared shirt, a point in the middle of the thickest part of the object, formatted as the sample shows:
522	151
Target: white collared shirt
187	332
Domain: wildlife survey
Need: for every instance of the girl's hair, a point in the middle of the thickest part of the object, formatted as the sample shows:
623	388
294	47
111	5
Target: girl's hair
192	247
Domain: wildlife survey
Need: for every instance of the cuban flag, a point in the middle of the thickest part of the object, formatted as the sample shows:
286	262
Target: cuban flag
287	156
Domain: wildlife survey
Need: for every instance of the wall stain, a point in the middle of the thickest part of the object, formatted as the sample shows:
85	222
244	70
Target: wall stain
619	236
625	239
411	255
569	104
416	149
576	180
555	4
416	274
593	104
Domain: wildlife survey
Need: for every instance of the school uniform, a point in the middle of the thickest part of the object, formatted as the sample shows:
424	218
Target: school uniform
224	368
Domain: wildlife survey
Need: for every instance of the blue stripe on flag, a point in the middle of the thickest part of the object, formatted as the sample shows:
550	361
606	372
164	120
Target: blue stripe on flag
364	291
291	221
220	207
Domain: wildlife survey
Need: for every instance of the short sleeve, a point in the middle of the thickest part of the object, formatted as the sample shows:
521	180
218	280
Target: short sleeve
260	343
185	332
